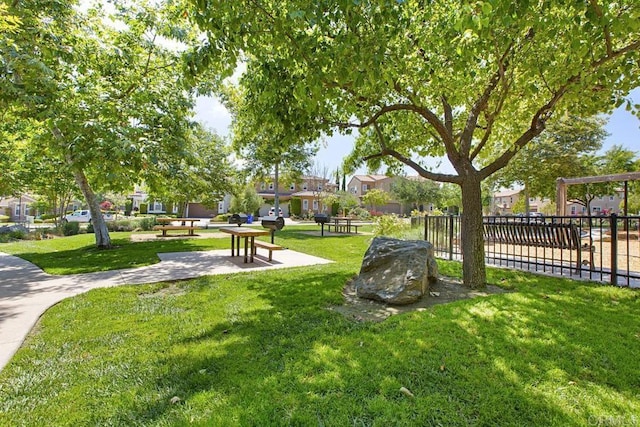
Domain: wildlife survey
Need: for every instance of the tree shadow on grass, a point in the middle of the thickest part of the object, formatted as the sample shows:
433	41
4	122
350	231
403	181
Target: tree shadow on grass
517	359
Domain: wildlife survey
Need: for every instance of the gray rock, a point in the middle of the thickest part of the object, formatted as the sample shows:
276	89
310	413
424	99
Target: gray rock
396	271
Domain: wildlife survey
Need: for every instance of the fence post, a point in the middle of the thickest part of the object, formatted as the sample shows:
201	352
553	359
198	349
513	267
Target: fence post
450	237
425	227
613	220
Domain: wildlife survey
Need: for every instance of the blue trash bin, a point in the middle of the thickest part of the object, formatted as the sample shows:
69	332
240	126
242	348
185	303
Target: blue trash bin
250	219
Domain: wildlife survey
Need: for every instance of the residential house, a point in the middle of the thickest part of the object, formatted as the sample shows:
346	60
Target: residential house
502	202
309	189
17	208
359	185
604	205
194	210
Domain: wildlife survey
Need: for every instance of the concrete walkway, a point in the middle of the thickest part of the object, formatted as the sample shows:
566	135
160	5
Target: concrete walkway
26	291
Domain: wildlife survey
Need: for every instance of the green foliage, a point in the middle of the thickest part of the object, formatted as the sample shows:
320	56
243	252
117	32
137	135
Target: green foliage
345	200
71	228
221	218
128	207
335	208
519	205
563	149
473	82
375	197
147	223
389	226
416	191
248	201
295	205
360	213
143	208
450	196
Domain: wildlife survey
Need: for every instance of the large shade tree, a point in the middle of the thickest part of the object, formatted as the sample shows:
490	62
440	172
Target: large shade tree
474	81
108	92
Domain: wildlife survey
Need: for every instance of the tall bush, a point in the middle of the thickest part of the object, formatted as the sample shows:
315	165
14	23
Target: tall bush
71	228
389	225
296	206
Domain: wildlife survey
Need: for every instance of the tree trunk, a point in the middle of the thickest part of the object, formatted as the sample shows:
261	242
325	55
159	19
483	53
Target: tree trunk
276	197
473	266
103	241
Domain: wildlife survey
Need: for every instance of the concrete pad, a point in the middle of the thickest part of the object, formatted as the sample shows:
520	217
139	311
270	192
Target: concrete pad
26	291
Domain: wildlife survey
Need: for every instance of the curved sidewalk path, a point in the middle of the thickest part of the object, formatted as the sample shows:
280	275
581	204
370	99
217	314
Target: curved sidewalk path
26	291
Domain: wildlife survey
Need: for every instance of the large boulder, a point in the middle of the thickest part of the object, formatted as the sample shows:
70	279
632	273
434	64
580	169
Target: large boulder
396	271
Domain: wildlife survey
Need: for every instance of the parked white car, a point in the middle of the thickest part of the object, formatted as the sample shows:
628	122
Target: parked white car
84	215
272	211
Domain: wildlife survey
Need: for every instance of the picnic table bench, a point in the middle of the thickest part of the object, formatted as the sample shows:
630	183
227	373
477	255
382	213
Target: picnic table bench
539	234
266	245
343	225
166	225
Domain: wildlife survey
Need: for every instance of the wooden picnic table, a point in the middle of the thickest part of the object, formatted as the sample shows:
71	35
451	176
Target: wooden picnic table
166	224
249	235
342	224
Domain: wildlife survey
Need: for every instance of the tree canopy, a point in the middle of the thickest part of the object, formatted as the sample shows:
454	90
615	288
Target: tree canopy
107	90
473	81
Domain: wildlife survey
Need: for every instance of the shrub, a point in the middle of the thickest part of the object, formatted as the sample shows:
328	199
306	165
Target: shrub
389	225
13	235
4	218
143	208
72	228
128	205
221	218
147	223
360	213
295	206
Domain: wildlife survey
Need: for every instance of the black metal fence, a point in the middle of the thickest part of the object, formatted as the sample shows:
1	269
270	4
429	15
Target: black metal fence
599	248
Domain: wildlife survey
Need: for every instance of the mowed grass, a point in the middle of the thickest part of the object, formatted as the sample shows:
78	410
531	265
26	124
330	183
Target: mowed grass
265	348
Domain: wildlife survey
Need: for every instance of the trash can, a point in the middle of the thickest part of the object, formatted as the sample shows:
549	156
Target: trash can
250	219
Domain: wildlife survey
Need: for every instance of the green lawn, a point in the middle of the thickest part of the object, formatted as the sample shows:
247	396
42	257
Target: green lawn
264	349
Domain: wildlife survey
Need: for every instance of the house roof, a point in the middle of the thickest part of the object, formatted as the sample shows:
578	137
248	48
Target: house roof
506	193
371	178
25	198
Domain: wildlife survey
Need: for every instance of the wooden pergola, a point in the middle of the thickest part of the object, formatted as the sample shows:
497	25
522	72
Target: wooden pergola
562	183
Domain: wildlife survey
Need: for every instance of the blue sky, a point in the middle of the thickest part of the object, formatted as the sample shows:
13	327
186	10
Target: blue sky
623	129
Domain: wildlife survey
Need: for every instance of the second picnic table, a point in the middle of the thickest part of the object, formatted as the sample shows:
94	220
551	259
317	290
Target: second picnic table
249	235
165	224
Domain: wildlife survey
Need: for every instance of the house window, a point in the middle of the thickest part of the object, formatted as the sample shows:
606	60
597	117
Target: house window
611	198
365	187
573	210
304	186
292	187
17	212
271	186
319	187
531	199
305	205
220	207
315	205
157	206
